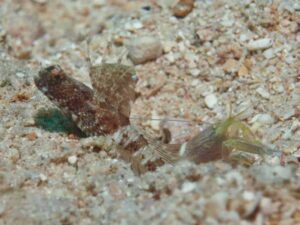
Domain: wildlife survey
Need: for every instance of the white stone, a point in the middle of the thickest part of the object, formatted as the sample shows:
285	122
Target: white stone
137	24
271	69
263	118
259	44
296	6
130	180
269	53
188	187
191	57
205	90
144	48
72	159
20	75
195	82
269	174
259	220
170	57
234	177
284	113
244	37
211	100
226	22
278	88
289	59
248	195
263	92
181	47
43	177
134	25
195	72
267	207
114	161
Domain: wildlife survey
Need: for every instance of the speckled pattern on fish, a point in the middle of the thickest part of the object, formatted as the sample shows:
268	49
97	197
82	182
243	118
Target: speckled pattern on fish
97	111
103	110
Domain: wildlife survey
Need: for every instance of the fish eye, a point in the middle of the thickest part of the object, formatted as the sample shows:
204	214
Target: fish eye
55	72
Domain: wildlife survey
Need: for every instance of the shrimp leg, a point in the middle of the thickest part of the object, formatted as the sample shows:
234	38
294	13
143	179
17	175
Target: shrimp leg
240	150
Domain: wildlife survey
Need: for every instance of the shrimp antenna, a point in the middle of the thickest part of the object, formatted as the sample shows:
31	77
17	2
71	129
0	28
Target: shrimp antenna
158	119
231	114
122	54
88	55
165	119
230	109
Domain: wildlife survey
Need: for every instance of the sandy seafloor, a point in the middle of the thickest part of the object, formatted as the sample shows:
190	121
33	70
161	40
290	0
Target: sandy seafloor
210	60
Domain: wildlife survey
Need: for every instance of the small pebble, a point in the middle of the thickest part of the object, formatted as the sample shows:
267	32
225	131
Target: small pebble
248	196
263	119
20	75
235	178
43	177
170	57
243	70
231	65
204	35
72	159
267	207
227	22
284	113
268	174
211	100
243	37
263	92
289	59
137	24
279	88
195	82
143	49
31	136
259	44
195	72
118	41
188	187
269	53
183	8
259	220
134	25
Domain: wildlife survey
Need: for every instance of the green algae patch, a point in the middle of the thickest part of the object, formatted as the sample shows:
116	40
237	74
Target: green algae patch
53	120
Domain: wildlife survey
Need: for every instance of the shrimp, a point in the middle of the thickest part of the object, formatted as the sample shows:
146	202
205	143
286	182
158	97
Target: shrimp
230	140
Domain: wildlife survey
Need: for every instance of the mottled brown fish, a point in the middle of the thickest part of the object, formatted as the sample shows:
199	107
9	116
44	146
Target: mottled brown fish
98	111
103	110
